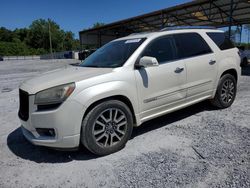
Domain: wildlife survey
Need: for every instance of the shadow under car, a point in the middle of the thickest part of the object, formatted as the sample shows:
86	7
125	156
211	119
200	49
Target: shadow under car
25	150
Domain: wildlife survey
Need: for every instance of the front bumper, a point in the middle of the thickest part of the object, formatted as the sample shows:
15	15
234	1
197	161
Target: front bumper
65	121
65	142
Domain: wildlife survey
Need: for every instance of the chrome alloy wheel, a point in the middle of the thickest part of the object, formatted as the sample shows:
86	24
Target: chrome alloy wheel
227	91
110	127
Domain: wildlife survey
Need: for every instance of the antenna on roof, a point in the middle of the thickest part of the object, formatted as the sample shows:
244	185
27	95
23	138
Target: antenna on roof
186	27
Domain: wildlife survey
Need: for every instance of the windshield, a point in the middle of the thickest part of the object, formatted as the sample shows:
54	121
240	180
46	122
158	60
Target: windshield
113	54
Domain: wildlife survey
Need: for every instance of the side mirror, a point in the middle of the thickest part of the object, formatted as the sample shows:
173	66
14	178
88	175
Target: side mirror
147	61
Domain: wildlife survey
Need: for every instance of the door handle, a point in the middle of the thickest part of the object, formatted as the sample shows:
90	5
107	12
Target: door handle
211	62
178	70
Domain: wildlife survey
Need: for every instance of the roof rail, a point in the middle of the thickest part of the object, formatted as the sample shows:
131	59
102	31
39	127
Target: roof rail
186	27
144	32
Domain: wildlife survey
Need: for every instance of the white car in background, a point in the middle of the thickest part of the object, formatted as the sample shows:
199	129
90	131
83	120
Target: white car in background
125	83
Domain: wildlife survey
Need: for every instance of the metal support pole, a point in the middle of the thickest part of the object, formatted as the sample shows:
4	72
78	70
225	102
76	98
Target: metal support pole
240	33
230	19
162	20
80	41
248	37
99	39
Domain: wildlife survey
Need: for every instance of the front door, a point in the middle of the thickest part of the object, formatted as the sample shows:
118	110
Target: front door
162	86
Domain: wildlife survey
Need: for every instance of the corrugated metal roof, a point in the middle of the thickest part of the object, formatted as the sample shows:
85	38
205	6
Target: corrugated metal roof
196	13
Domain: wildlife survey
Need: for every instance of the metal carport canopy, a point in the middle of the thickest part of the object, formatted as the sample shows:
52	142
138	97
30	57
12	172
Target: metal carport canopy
218	13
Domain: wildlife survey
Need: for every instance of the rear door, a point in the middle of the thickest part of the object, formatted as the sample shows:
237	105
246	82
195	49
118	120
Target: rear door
200	64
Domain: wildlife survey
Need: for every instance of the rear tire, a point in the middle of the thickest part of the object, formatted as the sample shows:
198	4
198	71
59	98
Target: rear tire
226	92
107	127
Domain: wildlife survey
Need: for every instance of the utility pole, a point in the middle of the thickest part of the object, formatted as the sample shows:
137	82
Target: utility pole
50	43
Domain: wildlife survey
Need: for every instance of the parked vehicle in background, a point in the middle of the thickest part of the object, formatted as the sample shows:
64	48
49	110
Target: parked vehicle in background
243	56
1	58
85	53
125	83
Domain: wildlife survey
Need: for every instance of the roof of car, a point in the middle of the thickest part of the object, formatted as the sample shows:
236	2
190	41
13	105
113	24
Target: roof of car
164	32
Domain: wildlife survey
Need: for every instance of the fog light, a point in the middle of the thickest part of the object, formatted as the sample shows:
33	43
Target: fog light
46	132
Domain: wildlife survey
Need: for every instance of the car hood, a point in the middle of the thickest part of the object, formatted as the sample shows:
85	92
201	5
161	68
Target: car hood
61	76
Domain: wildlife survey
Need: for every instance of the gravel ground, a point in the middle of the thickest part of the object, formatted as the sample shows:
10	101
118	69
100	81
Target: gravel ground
194	147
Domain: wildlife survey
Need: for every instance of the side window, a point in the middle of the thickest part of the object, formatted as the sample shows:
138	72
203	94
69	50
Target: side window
221	40
163	49
191	44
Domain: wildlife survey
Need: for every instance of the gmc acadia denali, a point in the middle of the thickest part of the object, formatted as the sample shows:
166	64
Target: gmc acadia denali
125	83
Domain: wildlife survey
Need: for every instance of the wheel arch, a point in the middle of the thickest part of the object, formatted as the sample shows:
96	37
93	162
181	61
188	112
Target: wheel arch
121	98
231	71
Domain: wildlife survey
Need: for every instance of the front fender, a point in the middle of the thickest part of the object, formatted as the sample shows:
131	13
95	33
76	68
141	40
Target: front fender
104	90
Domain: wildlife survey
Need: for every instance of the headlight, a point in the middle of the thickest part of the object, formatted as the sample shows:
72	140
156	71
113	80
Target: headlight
54	95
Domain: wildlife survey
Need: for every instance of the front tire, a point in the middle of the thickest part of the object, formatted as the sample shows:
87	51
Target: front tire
107	127
226	92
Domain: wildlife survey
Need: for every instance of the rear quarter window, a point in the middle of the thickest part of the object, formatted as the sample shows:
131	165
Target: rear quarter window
221	40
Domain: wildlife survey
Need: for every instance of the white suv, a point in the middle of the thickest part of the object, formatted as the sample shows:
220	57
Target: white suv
125	83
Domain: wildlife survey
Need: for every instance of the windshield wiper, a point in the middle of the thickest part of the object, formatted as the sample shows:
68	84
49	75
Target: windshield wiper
75	64
92	66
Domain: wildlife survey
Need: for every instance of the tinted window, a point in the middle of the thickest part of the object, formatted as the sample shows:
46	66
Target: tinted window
113	54
163	49
191	44
221	40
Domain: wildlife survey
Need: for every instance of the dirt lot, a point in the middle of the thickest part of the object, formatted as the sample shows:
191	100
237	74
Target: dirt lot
195	147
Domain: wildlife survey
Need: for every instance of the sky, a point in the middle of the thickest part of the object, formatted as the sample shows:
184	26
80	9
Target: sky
76	15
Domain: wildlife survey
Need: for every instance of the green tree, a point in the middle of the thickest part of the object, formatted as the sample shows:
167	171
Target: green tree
98	24
69	43
21	34
14	48
38	35
35	39
68	40
6	35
